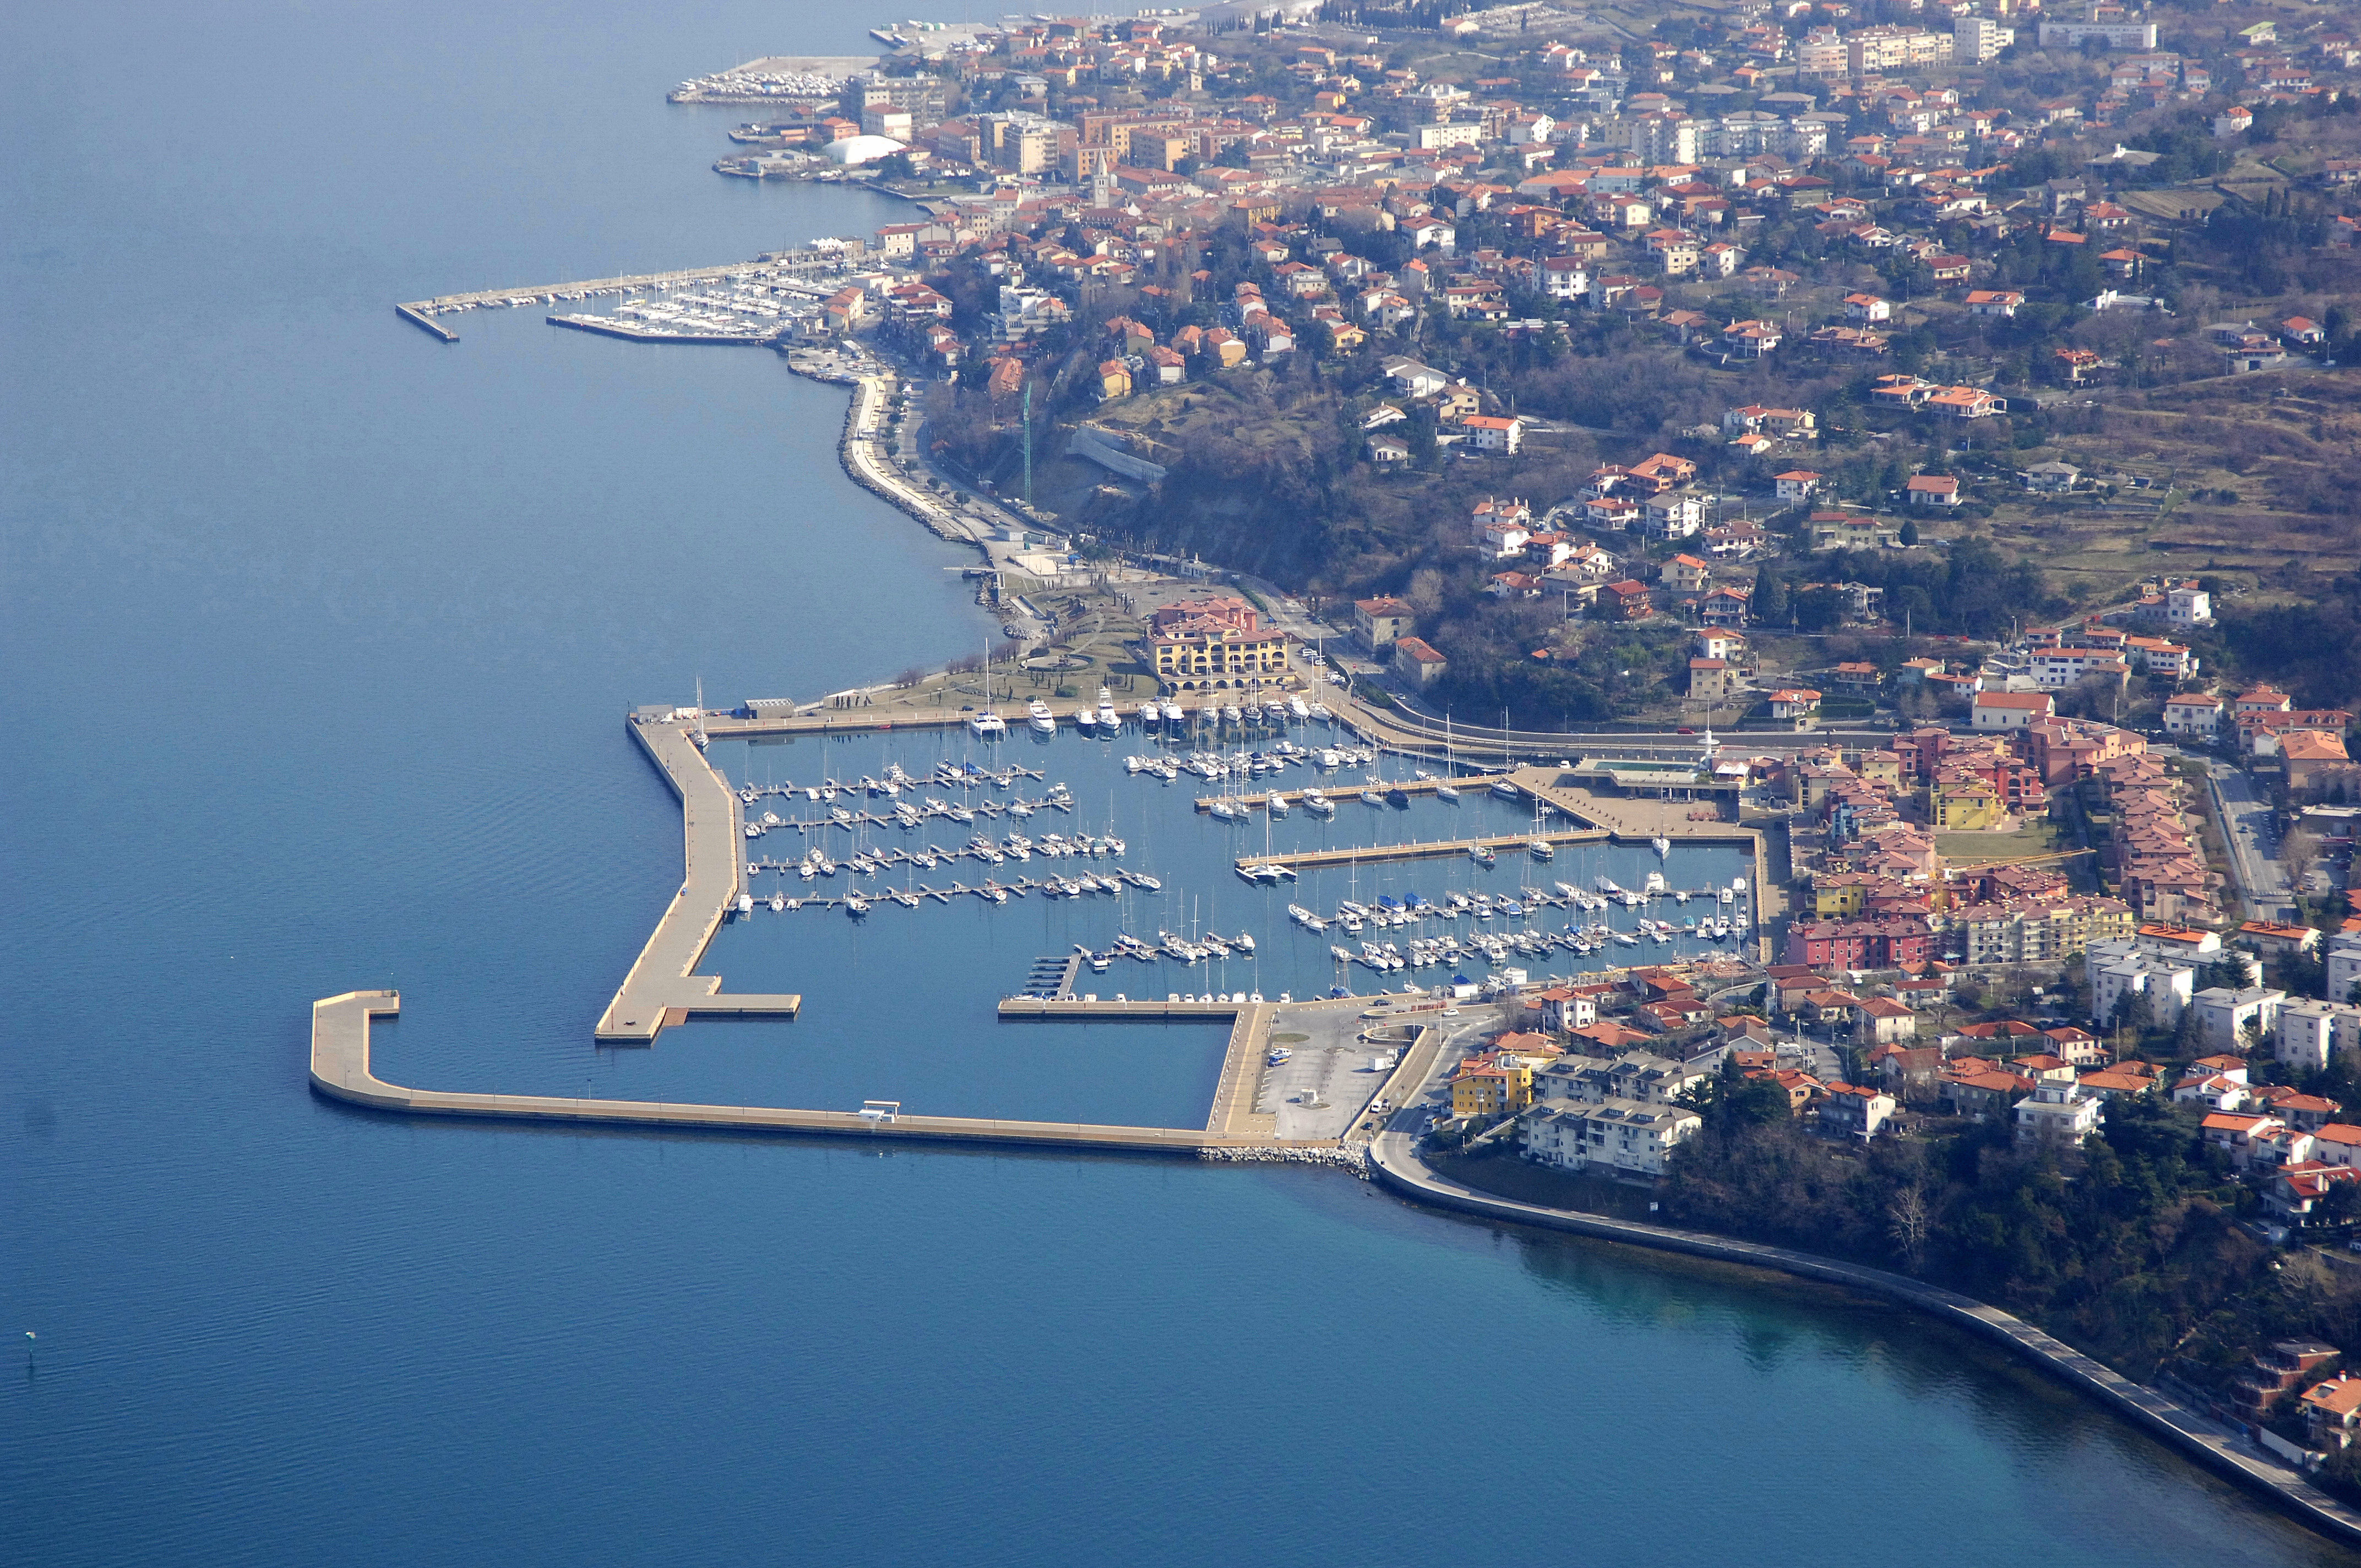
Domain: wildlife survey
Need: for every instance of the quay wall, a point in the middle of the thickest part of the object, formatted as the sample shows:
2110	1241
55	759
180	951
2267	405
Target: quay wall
340	1071
1396	1166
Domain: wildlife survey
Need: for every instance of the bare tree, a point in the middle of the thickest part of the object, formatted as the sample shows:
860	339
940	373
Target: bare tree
1908	1220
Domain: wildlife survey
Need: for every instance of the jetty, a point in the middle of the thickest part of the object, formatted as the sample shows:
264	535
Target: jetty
1407	786
341	1070
663	987
808	262
1419	849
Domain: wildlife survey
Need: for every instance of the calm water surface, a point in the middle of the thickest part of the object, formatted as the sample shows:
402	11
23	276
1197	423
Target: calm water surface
319	635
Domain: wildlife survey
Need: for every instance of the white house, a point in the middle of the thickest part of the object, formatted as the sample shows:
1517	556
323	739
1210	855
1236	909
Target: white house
2010	710
1626	1135
2222	1015
1418	381
1493	434
2194	717
2058	1113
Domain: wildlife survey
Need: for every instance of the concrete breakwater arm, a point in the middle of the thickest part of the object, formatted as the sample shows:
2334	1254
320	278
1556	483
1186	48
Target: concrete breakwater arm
661	987
341	1070
1395	1161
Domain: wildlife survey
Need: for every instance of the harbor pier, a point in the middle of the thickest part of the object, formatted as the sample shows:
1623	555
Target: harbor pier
341	1070
662	988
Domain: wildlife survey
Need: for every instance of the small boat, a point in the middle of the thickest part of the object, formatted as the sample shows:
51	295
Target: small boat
1371	797
1504	789
854	904
1482	856
1304	918
1446	792
1277	804
1542	850
986	724
1318	710
1297	709
1230	713
1662	845
1317	804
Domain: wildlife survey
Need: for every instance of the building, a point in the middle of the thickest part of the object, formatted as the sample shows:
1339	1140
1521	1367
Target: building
2195	718
2057	1113
2224	1016
1852	1111
1626	601
2311	1032
1379	621
1933	491
2114	35
1213	644
2010	711
1417	664
1796	703
1628	1137
1491	434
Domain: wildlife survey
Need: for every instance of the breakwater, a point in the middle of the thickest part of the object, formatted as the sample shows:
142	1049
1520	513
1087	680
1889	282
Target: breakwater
340	1069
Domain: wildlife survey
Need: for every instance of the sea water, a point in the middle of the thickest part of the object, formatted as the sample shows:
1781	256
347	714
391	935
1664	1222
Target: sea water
320	635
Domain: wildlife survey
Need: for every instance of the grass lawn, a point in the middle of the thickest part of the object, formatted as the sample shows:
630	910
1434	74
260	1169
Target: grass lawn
2038	836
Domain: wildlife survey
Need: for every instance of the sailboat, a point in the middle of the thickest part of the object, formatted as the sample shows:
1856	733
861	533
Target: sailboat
985	724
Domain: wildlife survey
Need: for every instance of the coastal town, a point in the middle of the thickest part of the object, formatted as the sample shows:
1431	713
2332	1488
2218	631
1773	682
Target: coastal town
1909	442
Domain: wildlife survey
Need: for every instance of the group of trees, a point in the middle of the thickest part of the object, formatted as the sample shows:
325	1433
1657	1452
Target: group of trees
2128	1246
1972	589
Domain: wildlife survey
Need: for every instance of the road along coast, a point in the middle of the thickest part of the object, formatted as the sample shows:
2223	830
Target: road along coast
1395	1165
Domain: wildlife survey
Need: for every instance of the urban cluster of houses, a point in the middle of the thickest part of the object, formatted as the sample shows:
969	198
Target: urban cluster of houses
1103	151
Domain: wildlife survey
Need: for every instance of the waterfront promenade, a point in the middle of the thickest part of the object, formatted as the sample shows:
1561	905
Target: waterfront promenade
340	1069
1395	1163
661	987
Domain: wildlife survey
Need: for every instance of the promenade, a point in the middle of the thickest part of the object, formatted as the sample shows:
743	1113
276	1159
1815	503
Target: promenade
340	1069
662	988
1395	1163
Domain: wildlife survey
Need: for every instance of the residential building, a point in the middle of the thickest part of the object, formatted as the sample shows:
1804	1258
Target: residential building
1851	1110
2224	1016
1416	663
1626	1136
1379	621
2058	1113
2010	711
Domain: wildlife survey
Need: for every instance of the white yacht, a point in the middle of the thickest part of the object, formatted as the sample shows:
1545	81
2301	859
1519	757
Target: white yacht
1232	715
986	724
1108	720
1277	804
1297	710
1662	845
1044	721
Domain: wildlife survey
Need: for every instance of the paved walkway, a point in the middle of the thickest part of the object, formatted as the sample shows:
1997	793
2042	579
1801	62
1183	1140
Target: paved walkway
662	988
340	1069
1395	1159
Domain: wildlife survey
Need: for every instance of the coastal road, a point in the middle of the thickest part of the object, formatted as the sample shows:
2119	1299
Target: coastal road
2246	831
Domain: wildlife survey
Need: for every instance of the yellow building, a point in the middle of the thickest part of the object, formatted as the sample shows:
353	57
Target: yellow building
1840	895
1968	808
1492	1085
1195	661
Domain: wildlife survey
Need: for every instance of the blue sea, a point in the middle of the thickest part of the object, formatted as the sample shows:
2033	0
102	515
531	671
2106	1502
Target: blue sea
319	635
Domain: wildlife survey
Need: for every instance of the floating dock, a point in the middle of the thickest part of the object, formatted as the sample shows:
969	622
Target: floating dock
661	988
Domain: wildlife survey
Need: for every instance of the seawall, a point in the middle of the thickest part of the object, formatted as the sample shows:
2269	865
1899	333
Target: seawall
1395	1163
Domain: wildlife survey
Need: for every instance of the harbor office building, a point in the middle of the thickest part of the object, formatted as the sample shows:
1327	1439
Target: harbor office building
1214	645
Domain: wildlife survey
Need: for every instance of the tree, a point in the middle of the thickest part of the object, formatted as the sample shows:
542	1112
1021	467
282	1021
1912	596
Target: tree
1909	530
1770	602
